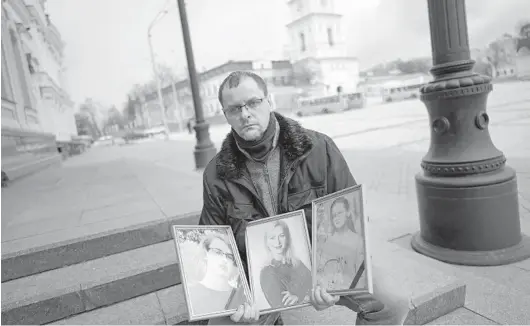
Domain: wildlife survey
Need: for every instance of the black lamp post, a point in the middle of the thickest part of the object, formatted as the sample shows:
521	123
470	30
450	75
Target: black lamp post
467	195
204	149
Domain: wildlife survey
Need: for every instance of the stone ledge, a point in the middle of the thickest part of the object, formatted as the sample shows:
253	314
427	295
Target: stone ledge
66	253
428	290
58	294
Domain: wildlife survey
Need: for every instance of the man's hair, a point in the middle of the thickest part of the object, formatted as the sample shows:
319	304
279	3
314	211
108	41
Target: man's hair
234	79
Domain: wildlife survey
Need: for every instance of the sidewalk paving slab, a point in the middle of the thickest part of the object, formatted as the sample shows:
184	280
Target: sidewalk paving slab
463	316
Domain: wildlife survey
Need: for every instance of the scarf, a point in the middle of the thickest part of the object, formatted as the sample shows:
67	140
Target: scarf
258	149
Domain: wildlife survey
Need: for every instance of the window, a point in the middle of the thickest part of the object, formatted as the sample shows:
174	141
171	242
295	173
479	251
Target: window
330	37
23	84
7	91
302	42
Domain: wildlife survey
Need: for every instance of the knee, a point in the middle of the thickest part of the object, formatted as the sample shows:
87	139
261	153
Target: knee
377	309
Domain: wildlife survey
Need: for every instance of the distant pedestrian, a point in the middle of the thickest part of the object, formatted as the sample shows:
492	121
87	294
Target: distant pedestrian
190	130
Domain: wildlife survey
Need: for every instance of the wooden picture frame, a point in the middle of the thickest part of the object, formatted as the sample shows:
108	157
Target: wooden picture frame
211	270
279	261
341	255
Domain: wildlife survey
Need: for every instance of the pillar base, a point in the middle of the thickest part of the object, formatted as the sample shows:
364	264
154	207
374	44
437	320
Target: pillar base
203	156
519	252
470	220
205	149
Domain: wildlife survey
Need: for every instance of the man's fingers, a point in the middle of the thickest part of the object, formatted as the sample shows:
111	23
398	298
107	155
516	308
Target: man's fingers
318	296
248	312
236	317
327	298
255	311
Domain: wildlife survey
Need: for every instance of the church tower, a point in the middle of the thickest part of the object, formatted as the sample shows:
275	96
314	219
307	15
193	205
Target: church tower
317	47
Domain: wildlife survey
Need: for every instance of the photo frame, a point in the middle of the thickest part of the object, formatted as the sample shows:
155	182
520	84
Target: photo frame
211	270
279	261
341	255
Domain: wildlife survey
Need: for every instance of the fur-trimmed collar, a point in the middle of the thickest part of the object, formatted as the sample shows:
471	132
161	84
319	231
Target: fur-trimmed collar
293	140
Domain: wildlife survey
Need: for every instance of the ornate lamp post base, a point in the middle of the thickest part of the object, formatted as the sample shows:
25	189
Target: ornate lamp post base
467	196
204	149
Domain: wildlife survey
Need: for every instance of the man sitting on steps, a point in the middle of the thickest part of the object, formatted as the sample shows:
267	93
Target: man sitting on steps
268	165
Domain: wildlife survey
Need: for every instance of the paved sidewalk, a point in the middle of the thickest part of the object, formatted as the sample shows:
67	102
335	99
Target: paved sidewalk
105	188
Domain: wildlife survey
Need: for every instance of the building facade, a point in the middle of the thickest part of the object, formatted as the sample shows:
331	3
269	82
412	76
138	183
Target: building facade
37	113
318	48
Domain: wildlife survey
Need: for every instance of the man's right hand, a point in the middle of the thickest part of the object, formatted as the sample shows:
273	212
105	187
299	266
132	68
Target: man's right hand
246	313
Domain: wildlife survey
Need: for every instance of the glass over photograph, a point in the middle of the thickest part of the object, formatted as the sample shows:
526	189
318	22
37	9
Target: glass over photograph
340	243
279	257
212	273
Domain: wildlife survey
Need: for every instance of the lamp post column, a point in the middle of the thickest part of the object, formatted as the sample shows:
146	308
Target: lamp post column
467	195
204	149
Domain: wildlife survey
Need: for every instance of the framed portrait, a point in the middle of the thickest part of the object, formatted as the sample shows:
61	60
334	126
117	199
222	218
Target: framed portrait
211	271
279	261
341	259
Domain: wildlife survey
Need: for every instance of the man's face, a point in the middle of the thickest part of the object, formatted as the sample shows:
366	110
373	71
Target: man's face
338	215
221	259
247	109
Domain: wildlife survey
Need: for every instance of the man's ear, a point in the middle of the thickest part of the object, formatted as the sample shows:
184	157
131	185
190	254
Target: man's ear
269	99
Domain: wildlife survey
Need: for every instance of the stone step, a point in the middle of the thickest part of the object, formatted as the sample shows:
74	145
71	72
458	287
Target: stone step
163	307
57	294
141	286
45	258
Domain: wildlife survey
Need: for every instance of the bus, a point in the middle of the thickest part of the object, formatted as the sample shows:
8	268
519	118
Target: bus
330	104
399	93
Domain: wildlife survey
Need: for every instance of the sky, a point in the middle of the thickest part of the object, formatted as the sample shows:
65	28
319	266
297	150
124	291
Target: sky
107	52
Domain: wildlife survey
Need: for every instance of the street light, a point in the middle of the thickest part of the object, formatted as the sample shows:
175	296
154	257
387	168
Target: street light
204	150
155	70
467	195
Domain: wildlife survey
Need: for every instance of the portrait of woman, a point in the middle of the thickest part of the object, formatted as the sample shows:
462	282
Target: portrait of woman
213	280
285	281
340	245
280	261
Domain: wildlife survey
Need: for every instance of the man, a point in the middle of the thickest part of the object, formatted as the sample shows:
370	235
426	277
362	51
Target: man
268	164
220	289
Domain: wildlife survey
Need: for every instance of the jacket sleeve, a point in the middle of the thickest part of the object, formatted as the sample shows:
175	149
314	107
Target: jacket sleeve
212	210
339	174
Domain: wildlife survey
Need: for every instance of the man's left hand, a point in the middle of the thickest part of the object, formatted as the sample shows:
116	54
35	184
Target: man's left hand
321	299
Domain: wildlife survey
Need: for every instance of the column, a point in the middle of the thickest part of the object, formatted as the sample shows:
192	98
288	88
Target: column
467	195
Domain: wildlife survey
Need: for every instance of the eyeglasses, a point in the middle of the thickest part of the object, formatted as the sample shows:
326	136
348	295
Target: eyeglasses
251	105
219	252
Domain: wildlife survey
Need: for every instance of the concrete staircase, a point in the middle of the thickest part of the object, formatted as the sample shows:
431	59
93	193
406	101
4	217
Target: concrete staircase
130	276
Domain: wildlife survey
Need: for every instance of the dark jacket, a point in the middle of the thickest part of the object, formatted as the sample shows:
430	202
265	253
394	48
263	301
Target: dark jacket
311	167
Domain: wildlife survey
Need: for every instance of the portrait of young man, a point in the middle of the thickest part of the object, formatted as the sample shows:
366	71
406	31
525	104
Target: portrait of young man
268	165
